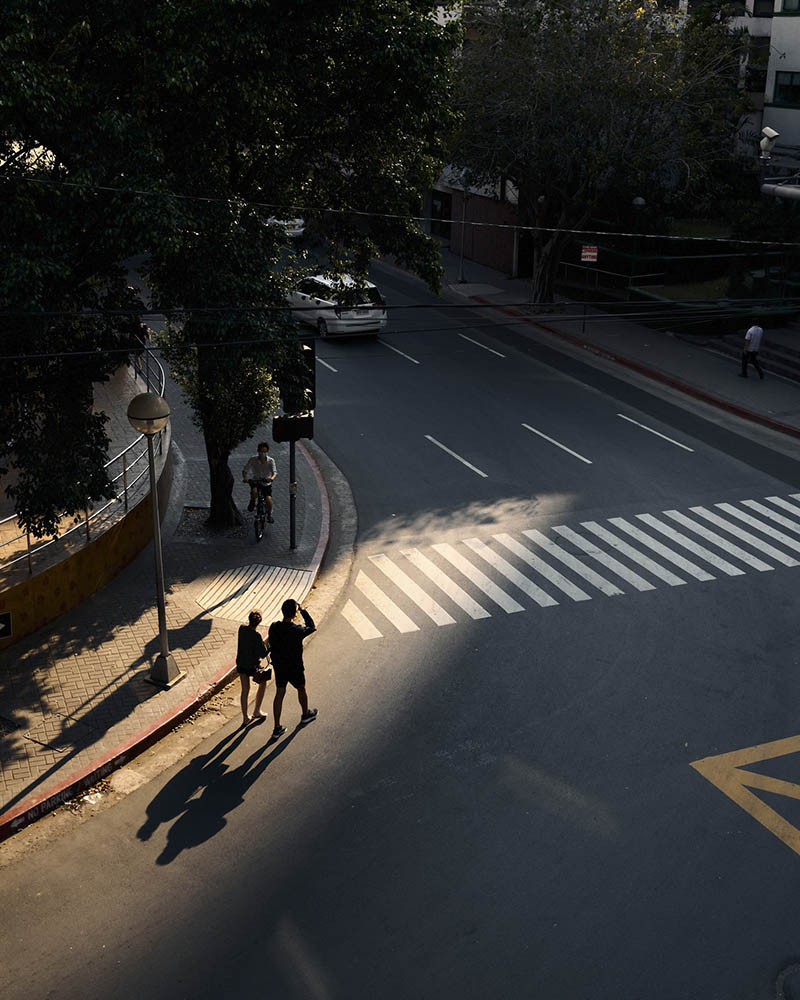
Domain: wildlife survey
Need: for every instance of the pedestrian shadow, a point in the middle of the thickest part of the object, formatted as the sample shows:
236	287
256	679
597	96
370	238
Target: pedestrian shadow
198	818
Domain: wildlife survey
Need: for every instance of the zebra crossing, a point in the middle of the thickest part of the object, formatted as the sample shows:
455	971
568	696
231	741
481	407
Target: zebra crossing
446	583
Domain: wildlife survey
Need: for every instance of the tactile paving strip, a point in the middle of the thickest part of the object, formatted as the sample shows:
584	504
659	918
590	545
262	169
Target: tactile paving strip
234	593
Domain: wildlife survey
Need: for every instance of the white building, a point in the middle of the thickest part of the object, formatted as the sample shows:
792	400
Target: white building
781	106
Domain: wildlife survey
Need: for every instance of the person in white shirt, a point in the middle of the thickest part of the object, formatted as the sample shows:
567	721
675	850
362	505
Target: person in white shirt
261	468
752	342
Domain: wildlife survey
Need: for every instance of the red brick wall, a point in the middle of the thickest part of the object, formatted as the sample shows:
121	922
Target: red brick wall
486	244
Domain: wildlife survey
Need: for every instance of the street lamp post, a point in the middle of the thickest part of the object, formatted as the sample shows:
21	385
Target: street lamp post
148	414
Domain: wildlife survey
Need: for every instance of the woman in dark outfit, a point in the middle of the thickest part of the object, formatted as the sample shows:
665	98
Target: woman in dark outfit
249	651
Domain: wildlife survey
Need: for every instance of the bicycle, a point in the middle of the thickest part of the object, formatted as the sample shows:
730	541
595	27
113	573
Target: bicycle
261	507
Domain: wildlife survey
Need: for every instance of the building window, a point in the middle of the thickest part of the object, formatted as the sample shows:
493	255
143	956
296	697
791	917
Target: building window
791	5
757	60
763	8
787	89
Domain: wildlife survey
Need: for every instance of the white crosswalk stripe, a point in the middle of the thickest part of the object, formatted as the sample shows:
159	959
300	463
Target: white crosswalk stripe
385	604
356	617
543	599
633	554
754	524
588	574
481	581
780	502
547	571
760	508
744	536
433	610
456	594
700	550
666	553
719	541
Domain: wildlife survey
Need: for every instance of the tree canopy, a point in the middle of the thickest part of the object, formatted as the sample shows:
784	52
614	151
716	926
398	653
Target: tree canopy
567	101
175	129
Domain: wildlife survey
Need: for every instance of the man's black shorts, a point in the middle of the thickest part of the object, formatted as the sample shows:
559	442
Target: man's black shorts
266	488
297	678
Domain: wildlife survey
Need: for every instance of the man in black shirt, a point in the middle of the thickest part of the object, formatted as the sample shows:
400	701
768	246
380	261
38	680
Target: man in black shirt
286	648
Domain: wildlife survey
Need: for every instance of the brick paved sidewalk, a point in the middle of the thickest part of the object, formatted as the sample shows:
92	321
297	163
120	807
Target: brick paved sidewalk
75	696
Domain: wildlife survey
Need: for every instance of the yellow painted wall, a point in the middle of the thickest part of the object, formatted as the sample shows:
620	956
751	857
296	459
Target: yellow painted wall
43	597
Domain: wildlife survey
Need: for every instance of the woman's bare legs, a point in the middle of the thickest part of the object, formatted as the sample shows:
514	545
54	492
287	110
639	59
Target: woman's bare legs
245	695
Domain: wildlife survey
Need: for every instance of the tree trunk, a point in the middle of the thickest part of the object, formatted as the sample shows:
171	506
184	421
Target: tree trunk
224	512
545	262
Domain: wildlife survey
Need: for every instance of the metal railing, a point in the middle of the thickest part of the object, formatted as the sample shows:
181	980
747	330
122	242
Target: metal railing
152	374
590	276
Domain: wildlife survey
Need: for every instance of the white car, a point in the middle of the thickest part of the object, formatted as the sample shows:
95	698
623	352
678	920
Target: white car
339	305
294	228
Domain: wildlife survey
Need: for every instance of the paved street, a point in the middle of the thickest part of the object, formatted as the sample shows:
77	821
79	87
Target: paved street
567	591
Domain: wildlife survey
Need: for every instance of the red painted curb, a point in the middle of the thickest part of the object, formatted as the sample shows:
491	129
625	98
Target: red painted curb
325	527
652	373
36	806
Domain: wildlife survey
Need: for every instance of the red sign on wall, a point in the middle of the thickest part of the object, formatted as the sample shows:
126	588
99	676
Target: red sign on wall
588	253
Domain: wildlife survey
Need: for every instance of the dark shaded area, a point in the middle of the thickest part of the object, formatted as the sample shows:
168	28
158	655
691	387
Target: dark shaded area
222	789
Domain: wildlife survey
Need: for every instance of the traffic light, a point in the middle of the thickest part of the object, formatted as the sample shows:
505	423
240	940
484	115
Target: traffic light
292	426
298	381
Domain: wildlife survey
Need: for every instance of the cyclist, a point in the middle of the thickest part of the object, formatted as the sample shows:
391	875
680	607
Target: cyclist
261	469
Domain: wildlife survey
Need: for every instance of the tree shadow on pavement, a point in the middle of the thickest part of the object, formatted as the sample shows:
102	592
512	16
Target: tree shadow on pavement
199	819
59	739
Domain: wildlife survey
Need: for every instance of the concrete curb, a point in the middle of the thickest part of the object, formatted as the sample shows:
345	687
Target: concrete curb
651	373
36	806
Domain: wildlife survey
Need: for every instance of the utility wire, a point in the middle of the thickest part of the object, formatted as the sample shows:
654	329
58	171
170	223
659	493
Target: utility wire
674	317
159	311
243	203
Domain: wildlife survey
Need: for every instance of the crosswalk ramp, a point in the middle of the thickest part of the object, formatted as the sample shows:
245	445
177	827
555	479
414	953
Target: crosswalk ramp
445	583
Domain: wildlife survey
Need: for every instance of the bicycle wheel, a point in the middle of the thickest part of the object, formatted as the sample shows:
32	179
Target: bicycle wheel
258	526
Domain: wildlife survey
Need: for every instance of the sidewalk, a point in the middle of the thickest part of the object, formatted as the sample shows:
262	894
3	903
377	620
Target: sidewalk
703	368
75	702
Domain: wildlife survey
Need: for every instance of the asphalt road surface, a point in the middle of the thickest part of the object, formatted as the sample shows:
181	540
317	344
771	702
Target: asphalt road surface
567	591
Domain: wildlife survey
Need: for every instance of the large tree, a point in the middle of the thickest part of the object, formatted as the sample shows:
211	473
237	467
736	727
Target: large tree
206	117
568	101
60	248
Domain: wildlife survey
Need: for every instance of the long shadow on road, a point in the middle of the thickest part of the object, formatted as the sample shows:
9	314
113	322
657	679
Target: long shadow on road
197	819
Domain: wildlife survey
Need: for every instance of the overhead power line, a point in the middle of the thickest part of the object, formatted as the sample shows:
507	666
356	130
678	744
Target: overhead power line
159	311
316	209
675	317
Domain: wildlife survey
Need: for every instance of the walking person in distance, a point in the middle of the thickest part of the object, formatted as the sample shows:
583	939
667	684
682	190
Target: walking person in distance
250	649
286	647
752	343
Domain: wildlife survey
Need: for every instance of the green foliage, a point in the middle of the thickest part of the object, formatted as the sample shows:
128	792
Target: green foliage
332	110
572	101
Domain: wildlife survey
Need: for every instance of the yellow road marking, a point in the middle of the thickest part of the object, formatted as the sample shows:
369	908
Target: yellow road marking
725	771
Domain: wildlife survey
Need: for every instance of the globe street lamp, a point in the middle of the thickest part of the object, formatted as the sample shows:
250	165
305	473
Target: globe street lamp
148	414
